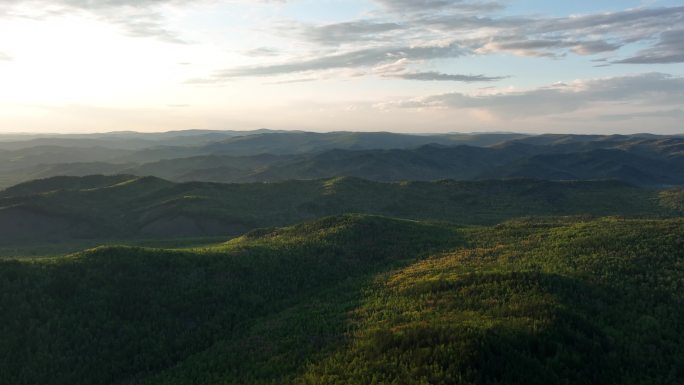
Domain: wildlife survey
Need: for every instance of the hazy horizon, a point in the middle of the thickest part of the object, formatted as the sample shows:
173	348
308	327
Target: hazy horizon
268	130
428	66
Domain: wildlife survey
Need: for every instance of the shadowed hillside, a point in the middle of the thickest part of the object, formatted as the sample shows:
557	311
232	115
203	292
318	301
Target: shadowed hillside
117	314
358	300
123	207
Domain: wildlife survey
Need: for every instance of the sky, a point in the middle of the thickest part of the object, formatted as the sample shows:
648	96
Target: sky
423	66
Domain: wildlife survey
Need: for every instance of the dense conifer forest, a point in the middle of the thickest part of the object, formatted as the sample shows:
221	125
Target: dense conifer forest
341	259
358	299
341	192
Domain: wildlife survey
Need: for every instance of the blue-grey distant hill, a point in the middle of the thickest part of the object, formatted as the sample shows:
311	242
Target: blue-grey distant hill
267	156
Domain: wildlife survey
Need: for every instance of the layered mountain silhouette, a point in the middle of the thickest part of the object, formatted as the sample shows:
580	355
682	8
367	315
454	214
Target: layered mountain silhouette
647	160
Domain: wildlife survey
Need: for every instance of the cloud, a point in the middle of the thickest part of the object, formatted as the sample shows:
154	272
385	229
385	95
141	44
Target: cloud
635	23
594	47
522	46
432	5
667	114
292	81
353	59
651	89
669	49
5	57
261	52
584	34
137	18
352	31
145	24
99	4
437	76
419	31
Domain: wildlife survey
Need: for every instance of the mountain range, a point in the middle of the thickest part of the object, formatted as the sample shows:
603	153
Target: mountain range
128	207
296	258
267	156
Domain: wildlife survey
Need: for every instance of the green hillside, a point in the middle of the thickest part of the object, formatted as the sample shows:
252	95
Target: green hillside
358	300
115	314
63	183
673	199
125	207
526	303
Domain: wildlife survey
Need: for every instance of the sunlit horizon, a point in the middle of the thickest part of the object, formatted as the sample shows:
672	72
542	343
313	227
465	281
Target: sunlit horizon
71	66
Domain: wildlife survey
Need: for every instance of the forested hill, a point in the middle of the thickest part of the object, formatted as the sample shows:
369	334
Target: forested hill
358	300
124	207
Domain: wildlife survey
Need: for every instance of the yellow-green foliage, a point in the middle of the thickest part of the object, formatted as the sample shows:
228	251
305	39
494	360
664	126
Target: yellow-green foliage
359	300
576	303
673	199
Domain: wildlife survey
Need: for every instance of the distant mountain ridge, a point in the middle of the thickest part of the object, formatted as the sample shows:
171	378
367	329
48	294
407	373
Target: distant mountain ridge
267	156
643	162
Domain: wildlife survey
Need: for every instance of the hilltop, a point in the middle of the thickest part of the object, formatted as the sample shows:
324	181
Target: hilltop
126	207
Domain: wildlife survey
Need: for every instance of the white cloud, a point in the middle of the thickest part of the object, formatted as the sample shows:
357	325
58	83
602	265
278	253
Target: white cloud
420	31
652	90
137	18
